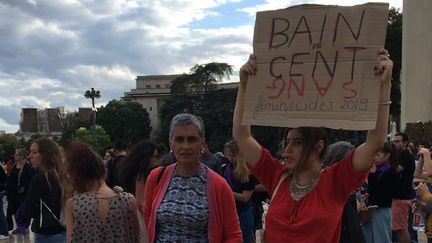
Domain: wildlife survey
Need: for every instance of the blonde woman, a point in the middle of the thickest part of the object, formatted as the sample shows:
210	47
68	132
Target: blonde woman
48	193
242	184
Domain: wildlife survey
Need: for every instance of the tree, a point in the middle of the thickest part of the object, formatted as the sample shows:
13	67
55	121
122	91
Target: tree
173	106
201	79
73	124
126	120
85	135
394	46
217	111
8	144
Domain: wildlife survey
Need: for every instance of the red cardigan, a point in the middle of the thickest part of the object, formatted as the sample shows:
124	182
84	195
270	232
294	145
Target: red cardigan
223	224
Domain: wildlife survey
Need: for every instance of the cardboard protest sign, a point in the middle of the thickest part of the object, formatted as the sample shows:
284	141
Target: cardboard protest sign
315	66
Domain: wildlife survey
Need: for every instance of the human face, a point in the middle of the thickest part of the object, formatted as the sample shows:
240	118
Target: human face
18	158
380	158
35	157
186	143
293	150
398	142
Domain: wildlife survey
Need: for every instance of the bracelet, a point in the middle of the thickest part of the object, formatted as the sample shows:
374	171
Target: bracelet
385	103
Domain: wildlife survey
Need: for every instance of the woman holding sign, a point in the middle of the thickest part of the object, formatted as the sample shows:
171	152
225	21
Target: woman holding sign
307	201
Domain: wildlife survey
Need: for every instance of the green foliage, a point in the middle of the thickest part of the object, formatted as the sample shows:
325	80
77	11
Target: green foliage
201	79
8	144
216	109
85	135
126	120
173	106
217	112
394	46
270	137
74	123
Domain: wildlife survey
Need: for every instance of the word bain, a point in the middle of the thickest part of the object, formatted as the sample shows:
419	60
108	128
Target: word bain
293	73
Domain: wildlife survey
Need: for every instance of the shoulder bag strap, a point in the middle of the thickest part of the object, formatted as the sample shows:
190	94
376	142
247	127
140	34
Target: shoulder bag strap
283	176
43	204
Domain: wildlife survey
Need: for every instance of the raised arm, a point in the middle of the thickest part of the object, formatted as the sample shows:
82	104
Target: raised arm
425	155
425	163
418	172
248	146
375	138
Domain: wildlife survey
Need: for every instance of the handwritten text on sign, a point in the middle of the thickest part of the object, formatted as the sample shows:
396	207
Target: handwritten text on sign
315	66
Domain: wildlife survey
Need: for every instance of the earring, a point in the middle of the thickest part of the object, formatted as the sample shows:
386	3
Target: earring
171	151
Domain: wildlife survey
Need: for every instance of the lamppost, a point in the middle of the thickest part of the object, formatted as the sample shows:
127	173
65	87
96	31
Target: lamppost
93	94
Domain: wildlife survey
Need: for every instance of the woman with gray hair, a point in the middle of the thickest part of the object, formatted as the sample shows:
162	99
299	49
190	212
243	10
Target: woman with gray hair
336	152
187	201
351	230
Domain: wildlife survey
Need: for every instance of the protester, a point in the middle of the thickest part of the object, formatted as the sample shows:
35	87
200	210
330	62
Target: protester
424	195
17	186
402	199
351	230
97	213
4	231
423	171
242	184
209	159
109	154
382	182
134	169
120	151
187	201
49	190
309	201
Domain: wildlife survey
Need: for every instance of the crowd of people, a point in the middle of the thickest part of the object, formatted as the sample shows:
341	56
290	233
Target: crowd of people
316	192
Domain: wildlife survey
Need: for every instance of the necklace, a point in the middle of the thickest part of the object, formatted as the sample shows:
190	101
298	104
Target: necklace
299	191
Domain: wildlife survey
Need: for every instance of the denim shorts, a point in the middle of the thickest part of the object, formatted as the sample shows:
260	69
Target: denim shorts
57	238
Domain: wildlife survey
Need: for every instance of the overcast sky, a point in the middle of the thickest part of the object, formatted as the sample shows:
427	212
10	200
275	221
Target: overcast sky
52	51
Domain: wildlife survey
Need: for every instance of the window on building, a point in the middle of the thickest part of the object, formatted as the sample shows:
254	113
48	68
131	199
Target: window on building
158	86
148	86
167	85
151	108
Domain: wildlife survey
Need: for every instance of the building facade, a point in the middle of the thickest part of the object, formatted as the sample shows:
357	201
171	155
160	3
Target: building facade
416	76
152	92
49	121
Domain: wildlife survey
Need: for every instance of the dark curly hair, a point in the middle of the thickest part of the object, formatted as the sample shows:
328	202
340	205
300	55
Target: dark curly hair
136	165
84	165
390	149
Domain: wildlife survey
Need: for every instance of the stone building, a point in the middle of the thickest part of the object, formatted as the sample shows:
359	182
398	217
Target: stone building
416	76
152	91
49	121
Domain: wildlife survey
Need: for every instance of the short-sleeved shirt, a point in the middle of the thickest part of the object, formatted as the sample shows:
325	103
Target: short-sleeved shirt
183	213
239	187
317	216
405	189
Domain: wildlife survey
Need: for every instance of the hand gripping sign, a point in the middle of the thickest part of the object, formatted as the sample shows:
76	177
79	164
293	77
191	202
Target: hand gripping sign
315	66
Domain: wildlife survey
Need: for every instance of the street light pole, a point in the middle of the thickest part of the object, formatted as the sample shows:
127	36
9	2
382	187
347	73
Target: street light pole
93	94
